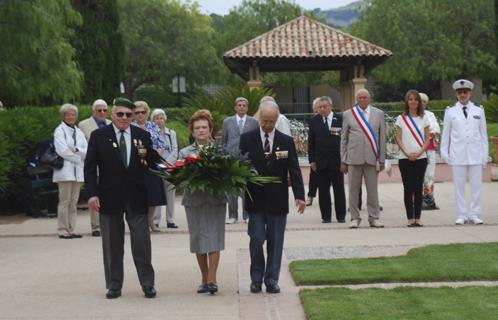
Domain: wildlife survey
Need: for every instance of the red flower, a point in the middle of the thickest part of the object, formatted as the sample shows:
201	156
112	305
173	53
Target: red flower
179	164
192	159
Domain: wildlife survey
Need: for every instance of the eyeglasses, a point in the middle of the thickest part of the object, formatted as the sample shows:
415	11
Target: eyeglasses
140	112
101	110
122	114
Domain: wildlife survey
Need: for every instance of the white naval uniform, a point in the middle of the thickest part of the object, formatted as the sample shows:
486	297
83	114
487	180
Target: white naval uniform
464	146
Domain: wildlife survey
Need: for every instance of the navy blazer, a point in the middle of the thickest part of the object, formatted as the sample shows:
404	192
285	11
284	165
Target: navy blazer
115	183
272	198
324	148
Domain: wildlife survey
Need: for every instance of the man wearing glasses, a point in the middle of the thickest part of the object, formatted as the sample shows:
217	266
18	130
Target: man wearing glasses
121	154
97	120
464	146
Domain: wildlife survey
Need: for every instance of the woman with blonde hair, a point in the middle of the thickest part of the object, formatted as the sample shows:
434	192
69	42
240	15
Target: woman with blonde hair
155	187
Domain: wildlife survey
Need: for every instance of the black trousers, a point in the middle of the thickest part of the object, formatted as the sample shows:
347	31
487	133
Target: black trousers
313	184
113	231
326	177
412	173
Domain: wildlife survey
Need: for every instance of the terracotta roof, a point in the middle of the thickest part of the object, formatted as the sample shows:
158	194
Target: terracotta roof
304	37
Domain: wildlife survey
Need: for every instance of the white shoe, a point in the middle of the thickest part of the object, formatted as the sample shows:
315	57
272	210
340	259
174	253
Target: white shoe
231	221
475	220
376	224
355	223
461	221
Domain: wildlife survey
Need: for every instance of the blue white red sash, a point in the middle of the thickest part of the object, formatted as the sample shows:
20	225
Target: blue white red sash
367	129
412	126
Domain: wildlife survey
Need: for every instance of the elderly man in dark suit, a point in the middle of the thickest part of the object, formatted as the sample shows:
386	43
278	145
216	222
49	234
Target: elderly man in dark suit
272	153
233	127
324	154
121	154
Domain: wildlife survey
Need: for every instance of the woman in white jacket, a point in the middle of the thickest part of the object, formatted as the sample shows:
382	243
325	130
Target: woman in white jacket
70	144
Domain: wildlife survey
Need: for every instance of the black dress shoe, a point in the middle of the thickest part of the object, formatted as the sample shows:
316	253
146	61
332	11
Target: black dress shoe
76	236
96	233
326	221
113	294
171	225
212	288
341	221
63	236
272	288
256	287
149	292
203	288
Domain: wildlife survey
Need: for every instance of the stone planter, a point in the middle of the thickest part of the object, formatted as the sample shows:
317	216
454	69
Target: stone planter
494	141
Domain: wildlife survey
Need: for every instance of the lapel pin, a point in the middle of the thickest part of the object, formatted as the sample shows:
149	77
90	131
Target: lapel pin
114	145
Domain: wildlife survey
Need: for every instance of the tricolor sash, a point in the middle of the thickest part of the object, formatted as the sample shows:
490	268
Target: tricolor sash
367	129
412	127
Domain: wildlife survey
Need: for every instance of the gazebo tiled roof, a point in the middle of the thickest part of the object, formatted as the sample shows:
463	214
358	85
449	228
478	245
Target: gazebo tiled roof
304	44
304	37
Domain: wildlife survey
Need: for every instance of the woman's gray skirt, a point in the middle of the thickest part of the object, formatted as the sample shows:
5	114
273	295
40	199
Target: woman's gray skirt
206	226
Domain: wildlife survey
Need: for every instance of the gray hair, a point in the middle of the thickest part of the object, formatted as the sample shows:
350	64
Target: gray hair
99	102
158	112
67	107
239	99
363	90
424	97
327	99
266	98
269	105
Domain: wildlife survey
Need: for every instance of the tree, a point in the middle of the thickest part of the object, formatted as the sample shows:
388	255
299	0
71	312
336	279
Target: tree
431	40
165	38
99	48
36	57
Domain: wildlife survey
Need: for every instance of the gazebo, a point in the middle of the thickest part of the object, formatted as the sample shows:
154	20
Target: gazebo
304	44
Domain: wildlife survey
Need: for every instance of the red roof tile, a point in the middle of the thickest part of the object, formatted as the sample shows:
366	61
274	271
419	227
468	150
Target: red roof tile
304	37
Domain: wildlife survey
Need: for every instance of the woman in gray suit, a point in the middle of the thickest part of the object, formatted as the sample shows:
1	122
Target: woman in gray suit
205	212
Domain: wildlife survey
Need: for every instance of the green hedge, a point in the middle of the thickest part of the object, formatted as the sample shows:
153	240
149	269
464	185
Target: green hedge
22	128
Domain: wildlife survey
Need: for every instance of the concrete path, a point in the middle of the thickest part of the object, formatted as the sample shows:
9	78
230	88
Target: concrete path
43	277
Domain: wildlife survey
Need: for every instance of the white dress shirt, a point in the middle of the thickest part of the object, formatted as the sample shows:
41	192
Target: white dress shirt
329	119
271	136
127	136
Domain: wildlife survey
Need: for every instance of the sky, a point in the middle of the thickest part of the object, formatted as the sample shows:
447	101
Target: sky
222	7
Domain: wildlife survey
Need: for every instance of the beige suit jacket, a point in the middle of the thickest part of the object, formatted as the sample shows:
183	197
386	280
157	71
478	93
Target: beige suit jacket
355	147
89	125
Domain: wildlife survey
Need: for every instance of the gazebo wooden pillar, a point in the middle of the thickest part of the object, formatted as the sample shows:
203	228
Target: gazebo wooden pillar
304	44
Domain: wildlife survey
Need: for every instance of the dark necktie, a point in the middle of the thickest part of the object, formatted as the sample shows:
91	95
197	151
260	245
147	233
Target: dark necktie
326	123
122	149
267	147
465	111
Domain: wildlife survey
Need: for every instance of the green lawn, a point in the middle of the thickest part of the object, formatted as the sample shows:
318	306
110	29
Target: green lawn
401	303
454	262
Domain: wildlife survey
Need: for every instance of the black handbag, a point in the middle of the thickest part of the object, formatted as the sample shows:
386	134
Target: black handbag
50	158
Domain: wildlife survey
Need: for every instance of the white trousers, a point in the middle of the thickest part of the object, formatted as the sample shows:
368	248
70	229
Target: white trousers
170	192
472	173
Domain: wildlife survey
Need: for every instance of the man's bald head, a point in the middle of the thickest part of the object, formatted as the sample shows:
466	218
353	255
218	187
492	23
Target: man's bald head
268	115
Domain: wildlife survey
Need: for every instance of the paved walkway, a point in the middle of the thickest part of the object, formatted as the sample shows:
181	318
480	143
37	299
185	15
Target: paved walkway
43	277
